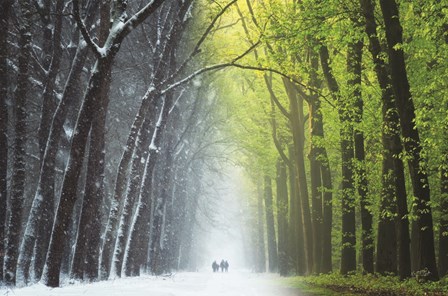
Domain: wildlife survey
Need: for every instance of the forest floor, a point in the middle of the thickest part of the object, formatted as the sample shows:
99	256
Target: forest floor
372	285
233	283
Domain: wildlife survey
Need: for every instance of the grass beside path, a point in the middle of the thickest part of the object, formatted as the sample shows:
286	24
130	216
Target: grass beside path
358	284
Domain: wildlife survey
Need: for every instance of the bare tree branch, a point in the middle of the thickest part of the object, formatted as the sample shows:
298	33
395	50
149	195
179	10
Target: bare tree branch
201	40
274	97
277	143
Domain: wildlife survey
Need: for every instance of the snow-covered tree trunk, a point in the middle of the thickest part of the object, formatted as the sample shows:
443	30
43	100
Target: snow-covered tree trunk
105	56
89	230
120	184
180	221
86	254
137	252
163	45
163	212
52	44
41	216
69	188
159	203
174	206
4	24
133	192
19	162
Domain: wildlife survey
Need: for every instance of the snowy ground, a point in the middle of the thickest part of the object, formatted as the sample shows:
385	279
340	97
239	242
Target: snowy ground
180	284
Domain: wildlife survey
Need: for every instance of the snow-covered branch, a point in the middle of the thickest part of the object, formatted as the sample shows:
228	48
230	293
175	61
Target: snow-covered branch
139	17
82	28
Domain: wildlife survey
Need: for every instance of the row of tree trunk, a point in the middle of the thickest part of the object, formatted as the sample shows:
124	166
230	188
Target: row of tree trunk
122	215
401	247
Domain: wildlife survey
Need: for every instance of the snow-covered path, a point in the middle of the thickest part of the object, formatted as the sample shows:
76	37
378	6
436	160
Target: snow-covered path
181	284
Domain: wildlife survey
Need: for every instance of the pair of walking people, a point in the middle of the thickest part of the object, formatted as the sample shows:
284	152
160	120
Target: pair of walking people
224	265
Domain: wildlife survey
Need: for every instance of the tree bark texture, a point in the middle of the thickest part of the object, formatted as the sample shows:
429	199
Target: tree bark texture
261	250
348	255
282	214
354	66
4	23
297	126
41	216
89	230
424	235
133	192
270	225
139	232
92	102
295	242
320	169
443	232
18	175
316	193
156	242
393	171
52	44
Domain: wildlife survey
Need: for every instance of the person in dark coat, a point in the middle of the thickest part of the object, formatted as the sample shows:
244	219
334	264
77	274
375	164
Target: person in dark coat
215	266
226	266
222	265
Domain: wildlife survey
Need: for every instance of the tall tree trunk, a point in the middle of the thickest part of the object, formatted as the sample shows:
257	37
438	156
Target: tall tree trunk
133	192
138	246
148	106
443	232
157	233
89	230
296	113
187	232
95	186
158	259
354	66
316	187
261	251
424	232
18	177
348	256
173	206
282	214
139	231
322	204
180	217
40	219
318	153
52	44
139	237
296	246
41	216
270	225
327	263
315	156
386	260
4	23
393	171
61	226
162	55
368	246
